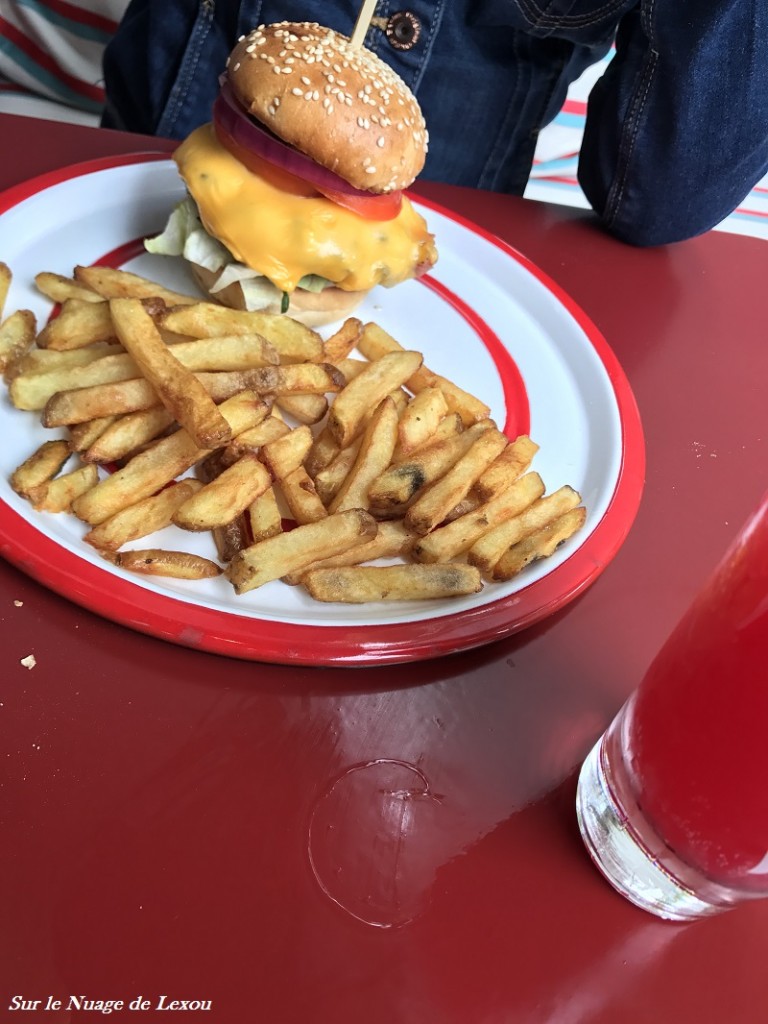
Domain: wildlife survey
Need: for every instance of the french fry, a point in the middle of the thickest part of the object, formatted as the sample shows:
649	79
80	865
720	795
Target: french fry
83	404
225	497
301	497
488	550
374	456
375	343
115	284
391	540
399	484
289	552
470	408
126	434
232	352
235	535
5	283
464	507
511	464
287	453
136	395
449	426
44	360
458	536
40	467
17	335
145	517
79	323
157	562
324	450
279	381
152	469
540	544
232	538
431	507
330	479
340	344
361	584
420	419
304	408
32	391
264	517
57	495
83	435
59	288
270	429
351	368
354	404
179	390
294	341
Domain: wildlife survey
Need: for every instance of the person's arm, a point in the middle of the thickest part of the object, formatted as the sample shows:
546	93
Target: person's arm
161	69
677	127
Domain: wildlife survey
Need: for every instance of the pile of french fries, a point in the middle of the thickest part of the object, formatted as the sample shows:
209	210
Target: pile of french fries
305	459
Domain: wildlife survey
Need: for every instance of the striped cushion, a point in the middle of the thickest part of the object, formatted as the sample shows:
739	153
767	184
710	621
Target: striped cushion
53	49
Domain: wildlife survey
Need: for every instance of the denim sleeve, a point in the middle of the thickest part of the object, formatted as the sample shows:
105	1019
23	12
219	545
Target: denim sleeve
677	128
161	68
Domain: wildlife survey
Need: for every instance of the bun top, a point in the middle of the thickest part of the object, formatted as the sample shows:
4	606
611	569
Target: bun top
340	105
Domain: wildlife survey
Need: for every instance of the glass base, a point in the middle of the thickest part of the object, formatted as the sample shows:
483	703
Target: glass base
633	859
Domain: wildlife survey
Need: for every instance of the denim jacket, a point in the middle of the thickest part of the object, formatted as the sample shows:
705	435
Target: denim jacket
677	127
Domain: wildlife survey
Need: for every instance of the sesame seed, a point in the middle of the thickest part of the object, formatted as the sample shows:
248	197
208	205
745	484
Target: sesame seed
380	141
370	170
287	71
296	91
305	80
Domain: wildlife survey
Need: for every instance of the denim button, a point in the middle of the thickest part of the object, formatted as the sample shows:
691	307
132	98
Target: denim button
403	30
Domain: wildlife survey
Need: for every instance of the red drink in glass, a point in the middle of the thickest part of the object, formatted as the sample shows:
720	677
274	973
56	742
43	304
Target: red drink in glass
673	802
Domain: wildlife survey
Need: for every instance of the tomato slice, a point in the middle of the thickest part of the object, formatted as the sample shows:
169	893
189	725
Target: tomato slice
371	207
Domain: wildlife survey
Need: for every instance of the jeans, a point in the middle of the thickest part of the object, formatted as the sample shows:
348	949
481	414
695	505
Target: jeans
676	132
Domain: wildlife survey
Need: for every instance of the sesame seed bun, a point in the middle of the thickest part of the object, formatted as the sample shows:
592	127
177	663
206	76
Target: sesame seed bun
314	309
340	105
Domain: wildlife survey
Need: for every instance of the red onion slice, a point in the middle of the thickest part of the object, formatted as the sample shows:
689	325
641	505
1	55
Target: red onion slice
246	132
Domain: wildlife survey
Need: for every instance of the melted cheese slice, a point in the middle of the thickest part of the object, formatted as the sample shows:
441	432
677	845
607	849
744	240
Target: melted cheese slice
285	236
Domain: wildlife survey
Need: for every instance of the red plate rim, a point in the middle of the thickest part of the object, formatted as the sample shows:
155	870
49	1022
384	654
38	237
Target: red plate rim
249	638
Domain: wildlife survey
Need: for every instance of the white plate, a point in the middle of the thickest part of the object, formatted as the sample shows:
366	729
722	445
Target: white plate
485	317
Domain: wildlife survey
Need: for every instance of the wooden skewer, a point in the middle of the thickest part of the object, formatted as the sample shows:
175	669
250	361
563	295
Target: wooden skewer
362	23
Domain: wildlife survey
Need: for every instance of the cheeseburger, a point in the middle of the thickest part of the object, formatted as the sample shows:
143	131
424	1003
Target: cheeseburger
295	189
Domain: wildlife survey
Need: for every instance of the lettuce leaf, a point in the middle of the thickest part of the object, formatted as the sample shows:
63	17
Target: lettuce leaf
184	235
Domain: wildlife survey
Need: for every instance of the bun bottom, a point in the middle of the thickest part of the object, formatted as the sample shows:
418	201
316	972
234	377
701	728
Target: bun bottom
314	309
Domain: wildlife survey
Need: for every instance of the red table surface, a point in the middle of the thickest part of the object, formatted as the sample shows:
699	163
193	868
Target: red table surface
391	845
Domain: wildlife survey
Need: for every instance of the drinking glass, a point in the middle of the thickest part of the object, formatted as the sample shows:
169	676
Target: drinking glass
673	800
